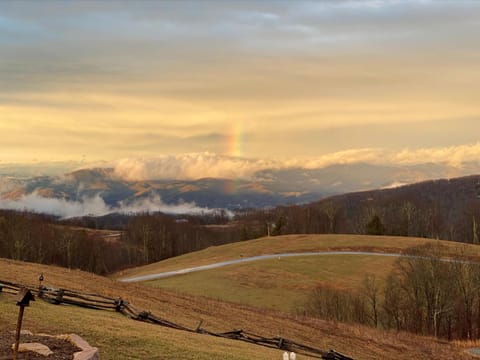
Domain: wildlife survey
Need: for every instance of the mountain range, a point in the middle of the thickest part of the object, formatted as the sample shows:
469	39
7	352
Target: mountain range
266	188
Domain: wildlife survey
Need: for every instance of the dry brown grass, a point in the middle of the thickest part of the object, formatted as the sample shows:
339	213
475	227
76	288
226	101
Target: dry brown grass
120	338
280	284
294	243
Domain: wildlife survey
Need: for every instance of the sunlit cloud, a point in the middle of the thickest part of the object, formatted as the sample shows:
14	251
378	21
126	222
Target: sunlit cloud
202	165
190	166
453	155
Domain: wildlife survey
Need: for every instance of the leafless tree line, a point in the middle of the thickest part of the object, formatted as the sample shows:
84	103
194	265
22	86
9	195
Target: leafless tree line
154	237
424	294
35	238
147	238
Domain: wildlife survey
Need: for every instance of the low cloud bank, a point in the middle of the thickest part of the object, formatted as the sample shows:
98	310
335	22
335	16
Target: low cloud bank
200	165
96	206
189	166
454	156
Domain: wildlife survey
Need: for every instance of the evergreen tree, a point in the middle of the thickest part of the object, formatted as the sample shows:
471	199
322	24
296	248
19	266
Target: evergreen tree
375	226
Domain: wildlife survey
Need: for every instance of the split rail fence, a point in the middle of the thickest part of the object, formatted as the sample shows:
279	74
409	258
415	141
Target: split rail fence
100	302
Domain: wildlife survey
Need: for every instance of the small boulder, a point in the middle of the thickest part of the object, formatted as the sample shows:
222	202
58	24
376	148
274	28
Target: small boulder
91	354
78	342
34	347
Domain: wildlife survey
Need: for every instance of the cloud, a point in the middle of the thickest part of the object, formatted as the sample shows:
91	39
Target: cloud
209	64
341	157
59	207
453	155
201	165
155	204
190	166
96	206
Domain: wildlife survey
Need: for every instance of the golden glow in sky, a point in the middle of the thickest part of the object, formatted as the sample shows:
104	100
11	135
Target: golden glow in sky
111	80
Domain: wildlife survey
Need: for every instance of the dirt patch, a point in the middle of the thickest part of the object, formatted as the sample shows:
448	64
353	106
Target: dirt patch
62	349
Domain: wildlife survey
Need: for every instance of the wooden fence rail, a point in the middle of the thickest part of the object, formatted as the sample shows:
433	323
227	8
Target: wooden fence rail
101	302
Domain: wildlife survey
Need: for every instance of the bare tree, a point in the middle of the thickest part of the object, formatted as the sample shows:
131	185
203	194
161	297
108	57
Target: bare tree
370	291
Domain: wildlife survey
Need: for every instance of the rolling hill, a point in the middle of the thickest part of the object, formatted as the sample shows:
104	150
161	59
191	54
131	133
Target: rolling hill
121	338
286	244
286	283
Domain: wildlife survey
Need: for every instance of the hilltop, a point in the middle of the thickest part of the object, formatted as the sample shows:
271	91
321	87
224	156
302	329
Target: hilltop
291	243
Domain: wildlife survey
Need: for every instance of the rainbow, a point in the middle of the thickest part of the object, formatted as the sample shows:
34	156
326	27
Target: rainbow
235	140
234	148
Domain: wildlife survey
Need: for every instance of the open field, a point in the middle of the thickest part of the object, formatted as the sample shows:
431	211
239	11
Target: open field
294	243
121	338
281	284
286	283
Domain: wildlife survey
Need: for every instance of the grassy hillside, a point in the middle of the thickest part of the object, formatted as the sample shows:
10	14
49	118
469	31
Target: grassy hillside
282	284
286	283
292	243
120	338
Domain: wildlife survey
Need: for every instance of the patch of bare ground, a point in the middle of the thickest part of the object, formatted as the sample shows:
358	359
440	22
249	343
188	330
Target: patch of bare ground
109	330
62	349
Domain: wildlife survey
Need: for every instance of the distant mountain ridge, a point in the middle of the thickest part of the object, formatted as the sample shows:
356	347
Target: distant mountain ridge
267	188
206	192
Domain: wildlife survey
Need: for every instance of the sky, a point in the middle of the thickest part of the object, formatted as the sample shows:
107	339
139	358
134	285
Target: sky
261	81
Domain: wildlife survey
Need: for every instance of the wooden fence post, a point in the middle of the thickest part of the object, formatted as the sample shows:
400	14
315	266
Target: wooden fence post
24	297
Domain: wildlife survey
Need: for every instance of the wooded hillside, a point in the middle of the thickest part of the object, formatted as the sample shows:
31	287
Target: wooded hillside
440	209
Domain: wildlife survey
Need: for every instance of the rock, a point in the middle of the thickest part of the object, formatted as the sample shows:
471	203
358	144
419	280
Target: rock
24	332
34	347
87	353
78	342
91	354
